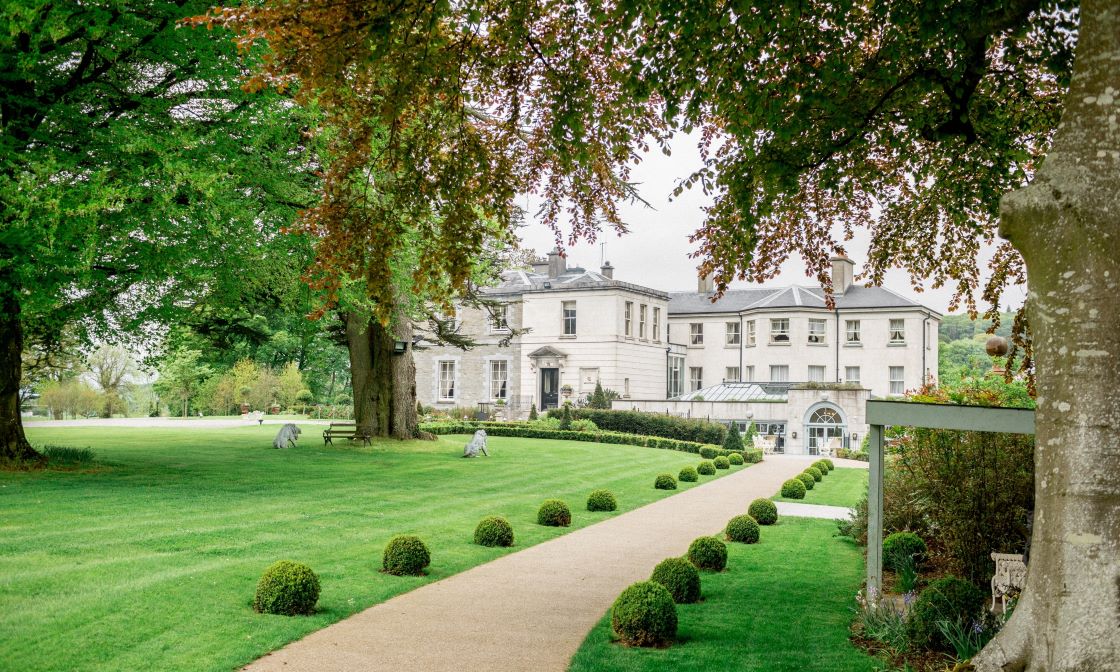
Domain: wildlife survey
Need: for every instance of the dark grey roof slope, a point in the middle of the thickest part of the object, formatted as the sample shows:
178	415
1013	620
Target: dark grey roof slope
519	282
737	300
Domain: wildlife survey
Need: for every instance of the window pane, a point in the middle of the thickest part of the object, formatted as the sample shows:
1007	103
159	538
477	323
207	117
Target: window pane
816	331
749	374
898	331
779	374
779	330
695	378
732	374
642	321
696	333
851	374
569	318
897	380
750	332
851	331
447	380
816	374
499	379
733	333
628	317
657	324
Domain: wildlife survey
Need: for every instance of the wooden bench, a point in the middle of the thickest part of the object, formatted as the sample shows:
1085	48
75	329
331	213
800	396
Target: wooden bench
345	430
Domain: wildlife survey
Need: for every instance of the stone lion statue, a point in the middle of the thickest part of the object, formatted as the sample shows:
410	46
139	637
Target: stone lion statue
286	437
477	445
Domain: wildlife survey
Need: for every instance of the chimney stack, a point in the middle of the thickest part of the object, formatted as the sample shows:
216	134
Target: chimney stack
556	264
540	265
607	271
706	284
843	269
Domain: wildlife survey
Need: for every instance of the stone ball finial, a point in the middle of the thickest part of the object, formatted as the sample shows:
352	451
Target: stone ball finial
997	346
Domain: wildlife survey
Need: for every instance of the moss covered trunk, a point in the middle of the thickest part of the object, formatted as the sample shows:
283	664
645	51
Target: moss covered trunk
1067	226
14	446
384	384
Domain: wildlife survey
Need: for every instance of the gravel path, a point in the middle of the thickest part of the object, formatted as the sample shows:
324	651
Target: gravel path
813	511
528	611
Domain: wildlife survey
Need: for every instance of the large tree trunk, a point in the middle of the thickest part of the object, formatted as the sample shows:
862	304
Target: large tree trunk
384	384
1067	226
14	446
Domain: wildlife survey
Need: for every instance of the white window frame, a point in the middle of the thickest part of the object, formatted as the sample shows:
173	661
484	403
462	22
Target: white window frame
731	375
779	330
643	310
628	319
696	333
748	374
732	335
445	381
896	375
502	364
656	323
852	334
848	370
751	334
817	330
568	321
695	378
896	331
815	369
499	319
782	369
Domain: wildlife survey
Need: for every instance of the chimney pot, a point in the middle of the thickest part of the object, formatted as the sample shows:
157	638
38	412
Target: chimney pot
706	284
843	270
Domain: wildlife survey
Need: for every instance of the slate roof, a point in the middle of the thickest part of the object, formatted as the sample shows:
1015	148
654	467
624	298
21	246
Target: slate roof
574	278
736	300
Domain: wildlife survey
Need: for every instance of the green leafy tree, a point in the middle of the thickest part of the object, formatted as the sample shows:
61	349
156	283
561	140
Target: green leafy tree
181	377
733	441
134	173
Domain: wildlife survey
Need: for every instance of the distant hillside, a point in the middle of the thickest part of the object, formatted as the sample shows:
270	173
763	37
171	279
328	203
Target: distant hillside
960	327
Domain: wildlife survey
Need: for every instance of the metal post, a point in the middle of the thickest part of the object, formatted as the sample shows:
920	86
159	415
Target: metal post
875	513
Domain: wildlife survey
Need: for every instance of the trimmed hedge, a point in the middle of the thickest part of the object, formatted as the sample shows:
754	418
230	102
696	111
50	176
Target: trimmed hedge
554	513
815	473
794	489
287	588
405	555
708	553
665	482
743	529
735	458
764	511
752	455
709	452
946	599
655	424
722	463
706	468
601	500
645	615
807	479
688	475
525	431
493	531
681	578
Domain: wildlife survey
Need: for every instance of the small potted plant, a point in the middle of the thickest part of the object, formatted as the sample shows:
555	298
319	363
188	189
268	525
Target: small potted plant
566	390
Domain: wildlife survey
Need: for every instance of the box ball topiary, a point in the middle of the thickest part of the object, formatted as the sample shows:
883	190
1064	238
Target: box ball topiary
742	529
708	553
946	599
828	463
722	463
815	473
493	531
764	511
554	513
820	466
405	555
665	482
601	500
901	546
735	458
708	452
807	479
705	468
688	475
794	489
680	577
645	615
287	588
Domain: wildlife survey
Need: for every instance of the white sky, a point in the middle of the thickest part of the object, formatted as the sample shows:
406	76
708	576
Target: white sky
655	251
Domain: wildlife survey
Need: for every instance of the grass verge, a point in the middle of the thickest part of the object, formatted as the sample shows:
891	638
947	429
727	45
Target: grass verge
842	487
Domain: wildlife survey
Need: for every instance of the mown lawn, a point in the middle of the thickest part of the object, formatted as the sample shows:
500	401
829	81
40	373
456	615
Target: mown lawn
842	487
150	561
782	605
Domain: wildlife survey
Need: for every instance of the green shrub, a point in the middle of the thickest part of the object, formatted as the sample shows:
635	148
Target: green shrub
665	482
554	513
807	479
645	615
752	455
549	428
900	547
583	426
733	442
735	458
405	555
566	416
709	452
287	588
688	475
601	500
764	511
828	463
67	457
743	529
533	412
947	599
655	424
680	577
708	553
820	466
722	463
705	468
815	473
793	489
493	531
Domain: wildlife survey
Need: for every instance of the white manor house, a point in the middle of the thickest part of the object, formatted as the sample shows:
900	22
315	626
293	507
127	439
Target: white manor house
775	356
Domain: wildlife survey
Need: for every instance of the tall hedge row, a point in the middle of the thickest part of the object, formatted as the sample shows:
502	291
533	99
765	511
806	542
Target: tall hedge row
654	424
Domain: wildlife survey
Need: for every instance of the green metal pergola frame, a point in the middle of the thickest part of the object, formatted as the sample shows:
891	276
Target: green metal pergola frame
882	414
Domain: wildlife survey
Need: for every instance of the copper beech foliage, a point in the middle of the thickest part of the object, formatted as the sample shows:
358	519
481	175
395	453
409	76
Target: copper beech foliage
437	115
